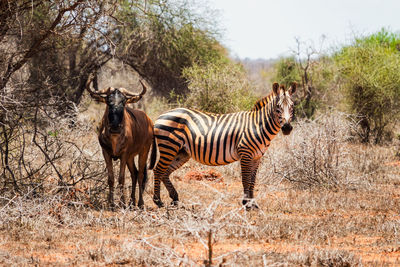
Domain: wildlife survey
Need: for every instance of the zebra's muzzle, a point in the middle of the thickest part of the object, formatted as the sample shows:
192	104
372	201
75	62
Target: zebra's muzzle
286	128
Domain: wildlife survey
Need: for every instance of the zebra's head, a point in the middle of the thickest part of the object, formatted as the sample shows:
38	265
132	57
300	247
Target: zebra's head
284	108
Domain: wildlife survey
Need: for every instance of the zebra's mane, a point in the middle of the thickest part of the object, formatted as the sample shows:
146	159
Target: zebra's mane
263	101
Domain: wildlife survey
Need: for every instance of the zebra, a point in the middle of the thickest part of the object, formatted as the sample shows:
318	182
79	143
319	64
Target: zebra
220	139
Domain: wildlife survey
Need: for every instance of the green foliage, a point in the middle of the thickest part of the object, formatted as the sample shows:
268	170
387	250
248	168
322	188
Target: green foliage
313	77
305	108
287	71
218	87
323	72
161	38
382	38
370	71
54	133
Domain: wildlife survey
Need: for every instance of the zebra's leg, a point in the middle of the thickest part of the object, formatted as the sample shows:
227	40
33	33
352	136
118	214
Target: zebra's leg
178	162
249	168
161	173
256	164
158	172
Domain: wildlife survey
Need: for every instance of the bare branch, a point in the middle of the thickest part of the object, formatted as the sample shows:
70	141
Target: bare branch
34	48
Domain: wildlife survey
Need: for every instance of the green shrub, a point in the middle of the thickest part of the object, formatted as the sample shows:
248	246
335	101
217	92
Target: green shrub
218	87
287	71
383	38
370	72
314	76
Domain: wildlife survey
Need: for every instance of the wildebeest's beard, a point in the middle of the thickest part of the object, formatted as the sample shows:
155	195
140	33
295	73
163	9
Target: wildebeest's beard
116	104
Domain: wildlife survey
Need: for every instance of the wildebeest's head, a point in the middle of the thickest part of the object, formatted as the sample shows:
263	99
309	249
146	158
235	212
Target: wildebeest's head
116	99
284	108
116	103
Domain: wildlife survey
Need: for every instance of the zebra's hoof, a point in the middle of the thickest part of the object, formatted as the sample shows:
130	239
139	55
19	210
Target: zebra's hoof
159	203
250	204
112	206
254	206
141	205
132	202
175	202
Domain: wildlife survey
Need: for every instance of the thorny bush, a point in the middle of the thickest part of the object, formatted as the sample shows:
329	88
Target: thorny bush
320	153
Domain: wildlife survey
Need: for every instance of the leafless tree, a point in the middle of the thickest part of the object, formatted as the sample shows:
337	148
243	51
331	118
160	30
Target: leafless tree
306	56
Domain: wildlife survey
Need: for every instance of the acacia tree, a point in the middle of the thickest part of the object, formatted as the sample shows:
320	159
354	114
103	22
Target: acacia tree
62	43
15	11
34	39
159	39
62	67
48	49
16	52
312	70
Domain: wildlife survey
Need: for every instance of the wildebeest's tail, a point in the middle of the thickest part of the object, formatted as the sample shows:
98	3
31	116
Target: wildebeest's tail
153	154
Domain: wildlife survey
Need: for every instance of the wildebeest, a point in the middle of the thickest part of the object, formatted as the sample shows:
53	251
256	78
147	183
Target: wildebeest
123	134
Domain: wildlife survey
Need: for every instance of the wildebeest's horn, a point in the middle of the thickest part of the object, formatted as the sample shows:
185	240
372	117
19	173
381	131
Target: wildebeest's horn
105	91
96	95
126	92
144	87
133	98
129	94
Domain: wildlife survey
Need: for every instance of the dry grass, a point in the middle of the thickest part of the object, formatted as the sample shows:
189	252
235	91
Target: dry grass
349	217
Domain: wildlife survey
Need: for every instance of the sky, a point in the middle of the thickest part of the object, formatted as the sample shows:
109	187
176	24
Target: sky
269	28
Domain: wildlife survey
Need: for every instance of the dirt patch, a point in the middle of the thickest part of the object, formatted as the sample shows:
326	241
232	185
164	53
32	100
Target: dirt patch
393	163
203	175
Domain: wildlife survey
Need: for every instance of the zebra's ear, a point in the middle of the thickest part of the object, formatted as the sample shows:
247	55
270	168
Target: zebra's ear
275	88
292	88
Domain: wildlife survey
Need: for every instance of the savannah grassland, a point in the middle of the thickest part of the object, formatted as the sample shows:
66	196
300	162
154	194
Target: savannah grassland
324	201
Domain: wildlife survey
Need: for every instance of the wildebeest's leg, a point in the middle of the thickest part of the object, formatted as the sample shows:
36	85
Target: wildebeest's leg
110	173
181	158
121	180
134	175
249	168
142	175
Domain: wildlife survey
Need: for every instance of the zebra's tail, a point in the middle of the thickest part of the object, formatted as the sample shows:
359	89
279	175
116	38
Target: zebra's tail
153	156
